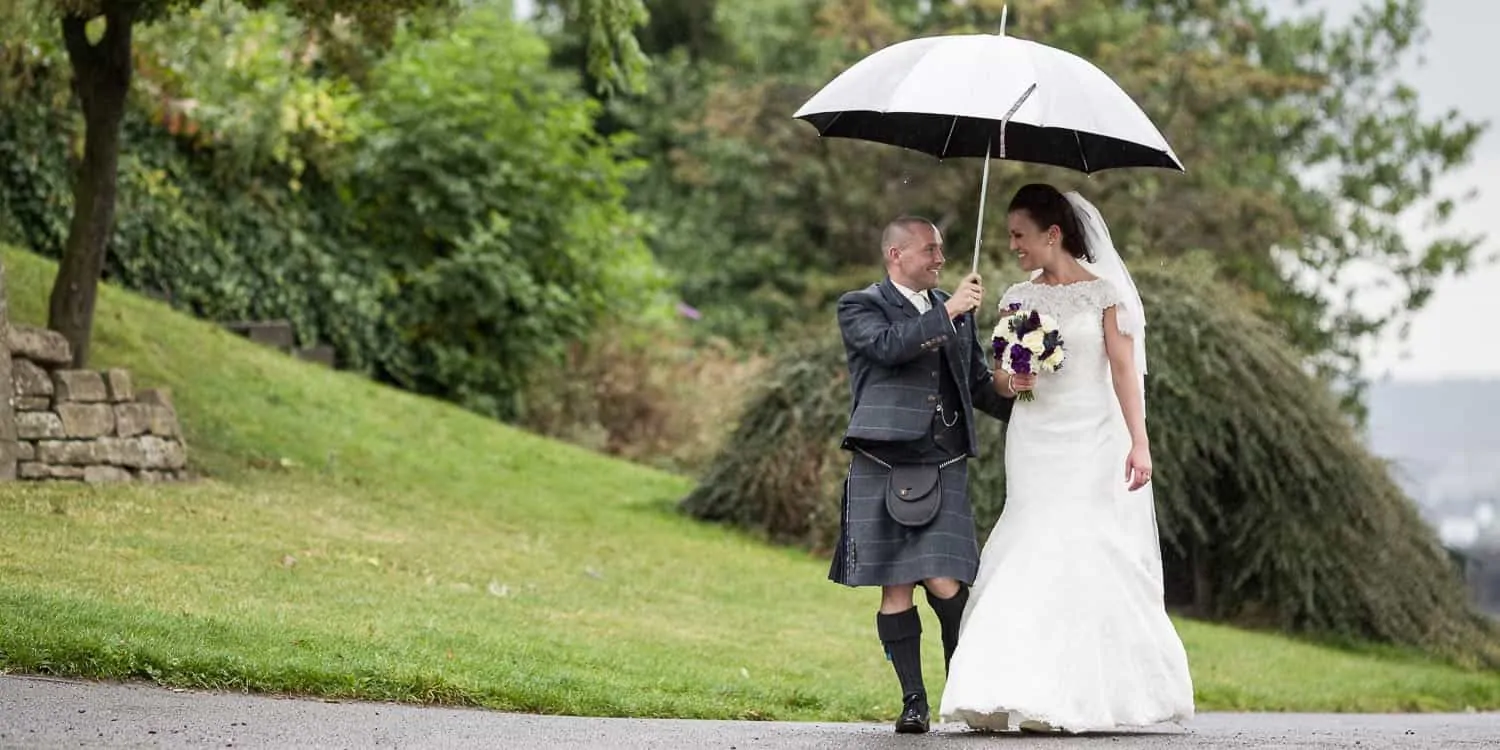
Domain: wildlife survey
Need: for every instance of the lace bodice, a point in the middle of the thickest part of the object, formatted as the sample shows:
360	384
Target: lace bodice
1063	300
1083	382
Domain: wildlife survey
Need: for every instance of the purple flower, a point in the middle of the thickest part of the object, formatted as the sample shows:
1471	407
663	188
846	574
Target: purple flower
1020	360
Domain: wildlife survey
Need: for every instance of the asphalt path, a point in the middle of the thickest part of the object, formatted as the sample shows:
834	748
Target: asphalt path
41	712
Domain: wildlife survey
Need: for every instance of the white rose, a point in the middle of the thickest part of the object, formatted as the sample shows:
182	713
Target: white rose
1036	341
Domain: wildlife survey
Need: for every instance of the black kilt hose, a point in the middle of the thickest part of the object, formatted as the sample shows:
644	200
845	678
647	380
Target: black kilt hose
874	550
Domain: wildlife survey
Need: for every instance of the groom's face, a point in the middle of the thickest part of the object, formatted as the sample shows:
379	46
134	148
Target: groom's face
919	257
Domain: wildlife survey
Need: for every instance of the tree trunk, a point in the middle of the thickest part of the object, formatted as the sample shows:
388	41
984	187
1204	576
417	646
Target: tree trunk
101	78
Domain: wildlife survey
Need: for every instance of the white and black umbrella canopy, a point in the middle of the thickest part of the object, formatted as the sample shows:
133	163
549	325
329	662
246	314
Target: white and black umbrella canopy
977	95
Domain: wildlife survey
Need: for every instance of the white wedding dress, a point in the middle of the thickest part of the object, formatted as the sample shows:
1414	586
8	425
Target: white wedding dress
1066	623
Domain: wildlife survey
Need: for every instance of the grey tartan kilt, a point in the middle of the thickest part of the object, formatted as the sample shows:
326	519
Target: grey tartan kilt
874	550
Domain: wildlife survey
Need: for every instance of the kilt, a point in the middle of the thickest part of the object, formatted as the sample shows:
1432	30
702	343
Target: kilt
874	550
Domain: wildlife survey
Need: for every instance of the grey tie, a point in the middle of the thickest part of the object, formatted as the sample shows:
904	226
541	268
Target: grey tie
921	301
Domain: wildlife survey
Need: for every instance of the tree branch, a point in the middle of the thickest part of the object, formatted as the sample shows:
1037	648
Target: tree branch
76	39
119	19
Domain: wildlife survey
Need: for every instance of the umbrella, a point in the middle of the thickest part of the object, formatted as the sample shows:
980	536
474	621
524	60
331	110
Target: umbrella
990	95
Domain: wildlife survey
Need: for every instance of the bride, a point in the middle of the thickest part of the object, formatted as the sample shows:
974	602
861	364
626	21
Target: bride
1066	628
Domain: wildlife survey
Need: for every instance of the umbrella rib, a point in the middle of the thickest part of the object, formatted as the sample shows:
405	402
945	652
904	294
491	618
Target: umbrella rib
951	128
1081	154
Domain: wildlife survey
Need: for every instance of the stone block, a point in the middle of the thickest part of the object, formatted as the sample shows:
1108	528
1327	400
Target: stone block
39	425
86	420
9	448
118	386
102	474
35	470
25	451
156	396
30	379
73	452
40	345
276	334
163	421
133	419
33	403
144	452
80	386
152	452
320	353
10	457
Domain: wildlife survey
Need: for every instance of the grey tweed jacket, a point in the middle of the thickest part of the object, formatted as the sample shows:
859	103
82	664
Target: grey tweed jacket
893	392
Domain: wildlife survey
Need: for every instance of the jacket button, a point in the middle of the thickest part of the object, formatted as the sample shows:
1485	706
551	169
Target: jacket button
934	374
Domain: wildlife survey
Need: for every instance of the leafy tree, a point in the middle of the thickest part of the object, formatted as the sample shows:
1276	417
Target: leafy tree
500	211
98	37
601	31
1302	150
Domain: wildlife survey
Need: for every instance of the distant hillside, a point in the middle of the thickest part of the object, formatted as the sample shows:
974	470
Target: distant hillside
1444	438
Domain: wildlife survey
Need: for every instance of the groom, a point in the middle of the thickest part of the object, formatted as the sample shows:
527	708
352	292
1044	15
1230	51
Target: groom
916	374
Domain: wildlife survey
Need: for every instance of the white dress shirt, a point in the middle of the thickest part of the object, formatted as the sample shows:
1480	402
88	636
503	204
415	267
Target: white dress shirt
922	301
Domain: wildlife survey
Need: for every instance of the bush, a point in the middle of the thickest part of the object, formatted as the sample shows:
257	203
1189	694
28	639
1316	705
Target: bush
222	246
652	395
1270	508
501	212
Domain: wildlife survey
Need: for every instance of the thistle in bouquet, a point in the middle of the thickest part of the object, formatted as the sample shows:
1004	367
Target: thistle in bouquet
1027	342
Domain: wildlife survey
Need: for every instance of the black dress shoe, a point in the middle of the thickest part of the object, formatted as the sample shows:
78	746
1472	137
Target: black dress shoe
913	715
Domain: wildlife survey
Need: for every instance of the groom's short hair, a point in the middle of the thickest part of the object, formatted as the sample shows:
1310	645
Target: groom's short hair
900	228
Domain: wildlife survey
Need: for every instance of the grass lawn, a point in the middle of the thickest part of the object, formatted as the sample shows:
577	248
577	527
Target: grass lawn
355	541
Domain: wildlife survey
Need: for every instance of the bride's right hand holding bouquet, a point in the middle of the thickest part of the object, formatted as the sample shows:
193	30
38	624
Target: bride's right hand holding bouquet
1027	343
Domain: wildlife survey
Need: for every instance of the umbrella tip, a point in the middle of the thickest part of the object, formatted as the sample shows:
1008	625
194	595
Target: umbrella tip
1004	11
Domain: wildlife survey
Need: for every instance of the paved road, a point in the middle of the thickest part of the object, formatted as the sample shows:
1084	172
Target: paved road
50	713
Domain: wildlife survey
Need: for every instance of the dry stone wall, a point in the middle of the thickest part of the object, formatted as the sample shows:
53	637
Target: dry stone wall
84	425
8	444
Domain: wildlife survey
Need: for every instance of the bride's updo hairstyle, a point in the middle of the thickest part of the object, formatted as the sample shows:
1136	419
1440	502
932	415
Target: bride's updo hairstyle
1046	206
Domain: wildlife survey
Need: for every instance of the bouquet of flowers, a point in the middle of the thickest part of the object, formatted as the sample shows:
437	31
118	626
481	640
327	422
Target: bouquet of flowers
1027	343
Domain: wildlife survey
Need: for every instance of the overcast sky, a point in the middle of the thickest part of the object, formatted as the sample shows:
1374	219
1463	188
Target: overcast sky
1445	339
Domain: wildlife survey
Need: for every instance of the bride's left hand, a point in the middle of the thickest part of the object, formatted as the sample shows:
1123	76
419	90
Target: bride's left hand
1138	467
